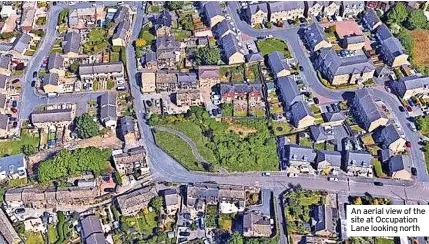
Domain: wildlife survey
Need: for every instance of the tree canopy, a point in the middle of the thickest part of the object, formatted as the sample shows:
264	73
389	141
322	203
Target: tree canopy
175	5
69	163
236	238
397	14
417	19
207	56
86	126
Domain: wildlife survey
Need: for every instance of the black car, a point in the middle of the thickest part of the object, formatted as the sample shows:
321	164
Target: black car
401	108
33	83
414	171
378	183
34	74
316	100
301	68
20	210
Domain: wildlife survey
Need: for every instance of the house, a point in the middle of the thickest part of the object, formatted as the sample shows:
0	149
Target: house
3	103
150	60
82	18
148	81
56	64
122	13
289	91
208	75
4	83
213	13
411	86
28	16
108	113
166	81
171	201
54	117
187	81
398	167
254	58
244	97
351	9
5	65
389	138
188	98
319	135
122	33
314	8
21	44
302	116
33	197
354	42
76	195
298	158
9	24
332	8
222	29
163	24
257	14
256	224
127	130
50	83
358	164
101	71
202	193
328	162
278	64
4	125
91	230
232	199
323	220
7	11
7	232
13	167
366	112
370	19
131	203
71	44
333	118
281	11
315	38
167	49
392	51
132	161
353	69
231	50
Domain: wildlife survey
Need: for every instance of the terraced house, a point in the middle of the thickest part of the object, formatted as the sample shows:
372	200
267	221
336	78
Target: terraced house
315	37
231	50
244	98
411	86
350	9
366	112
281	11
392	51
257	14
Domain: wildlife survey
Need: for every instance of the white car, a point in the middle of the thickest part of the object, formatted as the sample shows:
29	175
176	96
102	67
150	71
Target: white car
332	179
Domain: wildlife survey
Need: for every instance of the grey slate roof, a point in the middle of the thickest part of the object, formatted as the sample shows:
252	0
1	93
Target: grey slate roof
208	72
101	68
72	42
7	232
21	43
314	34
254	8
92	231
212	9
317	133
187	77
170	197
122	30
3	99
239	88
366	107
383	32
127	125
371	18
277	63
108	106
50	79
4	120
229	45
386	136
391	48
10	164
299	153
299	111
397	163
331	116
5	61
409	83
222	28
289	91
150	56
254	57
354	39
204	191
344	65
55	61
54	115
285	6
121	14
359	159
385	155
3	81
167	43
164	19
333	157
322	218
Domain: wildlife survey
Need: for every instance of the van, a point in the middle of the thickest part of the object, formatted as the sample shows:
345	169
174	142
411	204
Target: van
52	94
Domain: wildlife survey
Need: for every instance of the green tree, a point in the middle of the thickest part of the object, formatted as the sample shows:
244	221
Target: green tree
397	14
175	5
86	126
269	25
74	66
156	203
29	149
236	238
406	39
186	22
417	19
63	17
206	56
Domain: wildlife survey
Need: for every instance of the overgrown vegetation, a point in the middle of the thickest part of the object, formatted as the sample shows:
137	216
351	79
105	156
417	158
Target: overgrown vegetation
207	56
69	163
97	41
87	126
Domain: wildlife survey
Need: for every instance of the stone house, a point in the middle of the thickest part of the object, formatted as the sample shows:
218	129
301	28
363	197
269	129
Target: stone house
131	203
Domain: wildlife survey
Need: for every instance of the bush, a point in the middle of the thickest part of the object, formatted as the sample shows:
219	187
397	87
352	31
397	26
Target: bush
86	126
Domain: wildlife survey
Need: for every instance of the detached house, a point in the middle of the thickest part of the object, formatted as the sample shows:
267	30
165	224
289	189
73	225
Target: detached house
366	112
281	11
392	51
231	50
108	113
371	20
21	44
323	220
302	116
398	167
13	167
358	164
222	29
410	86
122	33
71	44
289	91
350	9
389	138
56	64
256	224
299	159
315	37
92	230
208	75
257	14
213	13
278	64
50	83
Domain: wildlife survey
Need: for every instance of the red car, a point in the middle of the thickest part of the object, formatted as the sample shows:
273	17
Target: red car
14	110
408	144
409	109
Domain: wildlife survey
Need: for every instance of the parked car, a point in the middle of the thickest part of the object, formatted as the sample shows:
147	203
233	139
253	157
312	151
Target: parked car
14	110
266	174
378	183
332	179
301	68
316	100
20	210
184	234
292	175
408	144
401	108
414	171
412	127
34	74
409	109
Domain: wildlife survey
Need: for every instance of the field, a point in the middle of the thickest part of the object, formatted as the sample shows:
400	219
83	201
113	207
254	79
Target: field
15	147
270	45
420	52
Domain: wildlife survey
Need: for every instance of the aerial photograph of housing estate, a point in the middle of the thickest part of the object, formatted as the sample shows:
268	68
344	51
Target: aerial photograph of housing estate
236	122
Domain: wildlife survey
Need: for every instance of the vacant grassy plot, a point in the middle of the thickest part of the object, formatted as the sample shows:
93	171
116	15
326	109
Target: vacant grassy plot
33	238
52	234
270	45
144	222
15	147
114	57
420	52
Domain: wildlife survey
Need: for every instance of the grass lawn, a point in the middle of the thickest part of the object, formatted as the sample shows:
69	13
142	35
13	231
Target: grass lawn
234	74
211	214
52	234
33	238
29	52
251	72
182	34
281	128
154	9
143	222
114	57
177	148
426	151
270	45
305	142
15	147
320	146
378	169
